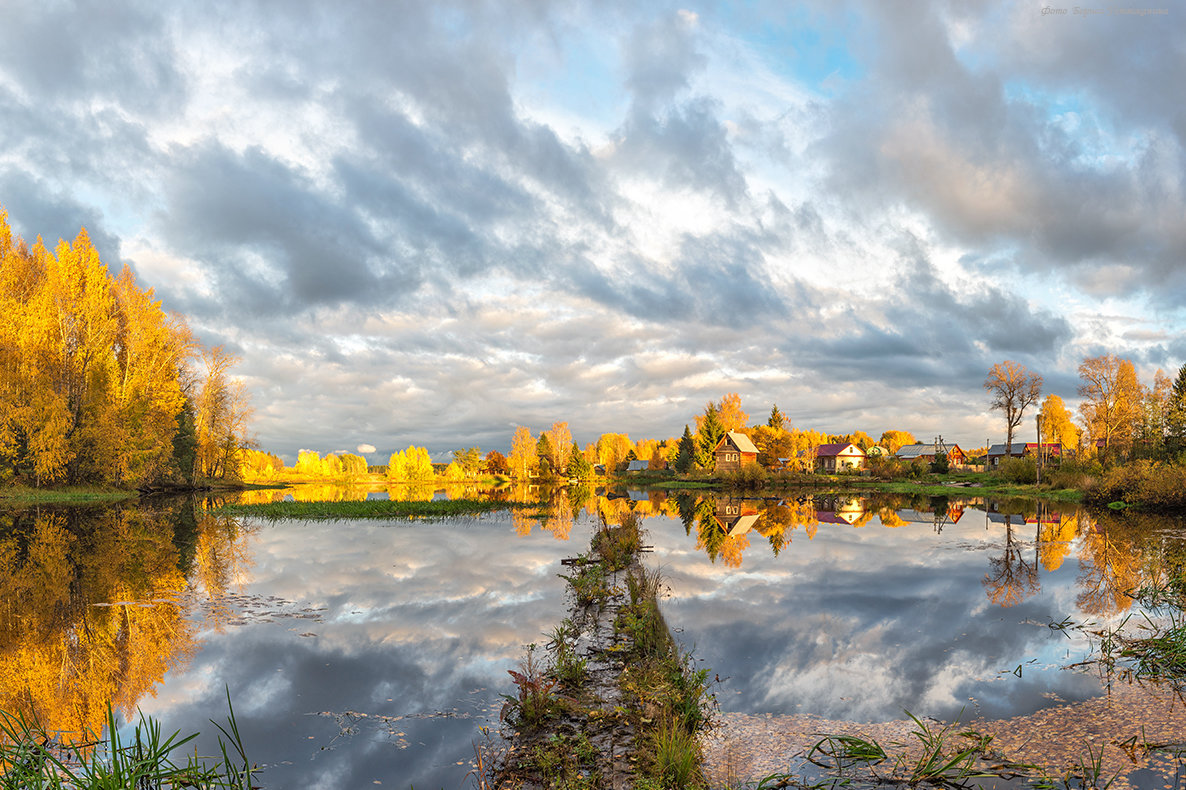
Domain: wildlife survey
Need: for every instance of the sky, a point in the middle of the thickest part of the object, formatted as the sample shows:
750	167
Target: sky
428	223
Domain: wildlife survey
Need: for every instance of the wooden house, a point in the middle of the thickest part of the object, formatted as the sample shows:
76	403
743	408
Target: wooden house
736	516
734	451
838	456
927	452
1051	452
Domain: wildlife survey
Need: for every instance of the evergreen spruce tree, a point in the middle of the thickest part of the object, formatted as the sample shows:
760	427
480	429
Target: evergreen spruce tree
777	419
687	452
1175	418
185	445
543	450
579	466
711	431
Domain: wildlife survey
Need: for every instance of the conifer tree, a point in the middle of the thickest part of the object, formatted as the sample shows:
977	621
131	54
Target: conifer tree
777	420
579	467
710	435
1175	418
543	451
687	452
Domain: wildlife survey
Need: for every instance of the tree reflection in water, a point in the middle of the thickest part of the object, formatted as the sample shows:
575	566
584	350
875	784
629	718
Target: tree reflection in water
1116	552
99	604
93	604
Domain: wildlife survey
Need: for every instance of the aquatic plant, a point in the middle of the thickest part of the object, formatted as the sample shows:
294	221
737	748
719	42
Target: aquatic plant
943	756
30	757
535	703
617	546
589	583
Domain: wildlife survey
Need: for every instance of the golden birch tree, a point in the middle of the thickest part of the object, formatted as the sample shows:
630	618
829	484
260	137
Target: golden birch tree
1111	399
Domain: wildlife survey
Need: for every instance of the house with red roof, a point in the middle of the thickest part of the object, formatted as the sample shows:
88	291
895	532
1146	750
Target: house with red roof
838	456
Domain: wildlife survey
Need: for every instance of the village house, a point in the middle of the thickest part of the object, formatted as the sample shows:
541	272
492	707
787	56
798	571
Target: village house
736	516
1051	451
734	451
838	456
927	452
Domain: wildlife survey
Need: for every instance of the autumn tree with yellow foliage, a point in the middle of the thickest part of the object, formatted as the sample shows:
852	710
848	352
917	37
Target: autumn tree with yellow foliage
96	383
1111	406
1057	424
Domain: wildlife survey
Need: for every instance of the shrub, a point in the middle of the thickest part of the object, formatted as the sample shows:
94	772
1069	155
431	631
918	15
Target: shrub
1146	483
940	465
748	476
887	468
1018	470
1075	474
916	469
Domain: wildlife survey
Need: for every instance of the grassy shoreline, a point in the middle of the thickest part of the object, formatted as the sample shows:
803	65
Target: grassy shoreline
369	509
960	484
77	495
960	487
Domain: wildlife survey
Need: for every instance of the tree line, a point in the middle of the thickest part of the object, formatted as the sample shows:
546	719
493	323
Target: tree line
1119	417
553	453
98	384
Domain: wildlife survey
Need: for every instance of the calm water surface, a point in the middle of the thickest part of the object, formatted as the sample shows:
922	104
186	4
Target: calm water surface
363	653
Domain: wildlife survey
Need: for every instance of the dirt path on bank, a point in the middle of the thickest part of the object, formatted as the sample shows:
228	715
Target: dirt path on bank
1122	726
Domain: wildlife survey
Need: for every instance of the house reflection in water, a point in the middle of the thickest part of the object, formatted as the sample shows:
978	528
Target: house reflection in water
842	510
736	516
942	514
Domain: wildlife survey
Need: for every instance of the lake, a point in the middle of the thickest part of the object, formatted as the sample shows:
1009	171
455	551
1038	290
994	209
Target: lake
368	653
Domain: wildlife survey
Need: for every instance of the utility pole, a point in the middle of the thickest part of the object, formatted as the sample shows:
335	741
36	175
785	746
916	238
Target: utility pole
1038	419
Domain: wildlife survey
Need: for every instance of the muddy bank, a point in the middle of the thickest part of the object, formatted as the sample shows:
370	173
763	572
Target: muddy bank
610	701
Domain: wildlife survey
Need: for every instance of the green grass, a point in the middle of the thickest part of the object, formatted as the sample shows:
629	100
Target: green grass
144	760
676	755
935	487
944	756
368	508
970	483
685	484
22	495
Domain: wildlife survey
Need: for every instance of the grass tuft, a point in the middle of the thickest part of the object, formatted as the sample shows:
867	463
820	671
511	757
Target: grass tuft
32	758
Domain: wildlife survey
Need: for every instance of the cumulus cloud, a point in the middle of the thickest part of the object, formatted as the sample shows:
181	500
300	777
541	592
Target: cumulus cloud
411	230
365	449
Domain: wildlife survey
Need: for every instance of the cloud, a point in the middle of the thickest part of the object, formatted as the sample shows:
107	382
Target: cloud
366	449
1007	141
611	215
